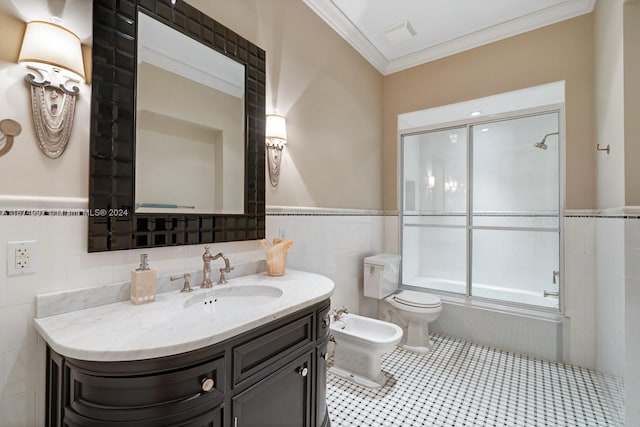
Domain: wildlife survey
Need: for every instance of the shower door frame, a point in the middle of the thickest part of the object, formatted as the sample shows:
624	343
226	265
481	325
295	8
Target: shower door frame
468	124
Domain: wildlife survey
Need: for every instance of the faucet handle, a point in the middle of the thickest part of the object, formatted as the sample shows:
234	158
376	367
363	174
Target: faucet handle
186	287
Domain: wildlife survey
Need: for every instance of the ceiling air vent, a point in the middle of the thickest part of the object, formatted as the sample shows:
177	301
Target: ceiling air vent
399	32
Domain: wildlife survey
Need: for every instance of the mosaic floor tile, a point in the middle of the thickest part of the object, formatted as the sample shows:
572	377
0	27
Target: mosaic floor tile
461	384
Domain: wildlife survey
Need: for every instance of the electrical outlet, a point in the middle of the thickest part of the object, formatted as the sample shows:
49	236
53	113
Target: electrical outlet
22	252
21	258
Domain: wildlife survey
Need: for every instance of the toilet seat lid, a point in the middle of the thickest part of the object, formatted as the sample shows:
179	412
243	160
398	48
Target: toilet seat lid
417	299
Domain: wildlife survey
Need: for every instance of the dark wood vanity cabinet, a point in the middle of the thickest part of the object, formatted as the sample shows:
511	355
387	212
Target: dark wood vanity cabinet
274	375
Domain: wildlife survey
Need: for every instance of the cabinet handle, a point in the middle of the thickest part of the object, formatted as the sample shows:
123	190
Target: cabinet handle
324	356
303	371
207	384
326	321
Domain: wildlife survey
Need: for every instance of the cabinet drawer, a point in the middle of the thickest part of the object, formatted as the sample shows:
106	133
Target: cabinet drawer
130	398
251	357
199	417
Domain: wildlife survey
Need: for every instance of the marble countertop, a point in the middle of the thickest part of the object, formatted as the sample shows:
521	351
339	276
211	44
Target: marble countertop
123	331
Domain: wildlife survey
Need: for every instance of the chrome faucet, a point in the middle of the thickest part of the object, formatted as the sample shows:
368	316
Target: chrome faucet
207	258
339	312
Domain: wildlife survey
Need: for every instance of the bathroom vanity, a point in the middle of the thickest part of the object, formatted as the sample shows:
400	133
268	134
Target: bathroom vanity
200	359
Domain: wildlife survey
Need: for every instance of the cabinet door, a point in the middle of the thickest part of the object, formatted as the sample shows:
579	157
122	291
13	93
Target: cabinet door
321	383
282	399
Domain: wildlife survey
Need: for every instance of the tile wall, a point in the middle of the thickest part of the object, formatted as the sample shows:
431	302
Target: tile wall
602	267
63	263
632	320
328	242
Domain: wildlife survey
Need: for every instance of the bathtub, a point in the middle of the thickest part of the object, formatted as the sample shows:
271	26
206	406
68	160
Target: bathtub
486	291
521	329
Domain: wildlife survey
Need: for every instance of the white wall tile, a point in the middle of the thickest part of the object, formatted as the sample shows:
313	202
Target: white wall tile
391	234
334	246
19	410
91	269
580	288
632	322
17	329
609	297
24	369
632	391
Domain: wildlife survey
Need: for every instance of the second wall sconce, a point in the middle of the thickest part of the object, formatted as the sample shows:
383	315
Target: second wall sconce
54	54
275	139
8	129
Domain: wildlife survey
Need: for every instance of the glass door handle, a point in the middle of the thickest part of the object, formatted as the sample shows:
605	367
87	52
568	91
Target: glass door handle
556	275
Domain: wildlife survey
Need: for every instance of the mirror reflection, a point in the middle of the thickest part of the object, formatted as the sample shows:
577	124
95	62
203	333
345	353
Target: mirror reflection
190	130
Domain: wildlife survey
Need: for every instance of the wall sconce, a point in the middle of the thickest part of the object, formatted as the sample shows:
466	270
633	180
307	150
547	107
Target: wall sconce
8	129
275	139
54	54
431	181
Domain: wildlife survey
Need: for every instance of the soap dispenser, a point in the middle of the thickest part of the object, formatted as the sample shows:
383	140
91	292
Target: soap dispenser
143	282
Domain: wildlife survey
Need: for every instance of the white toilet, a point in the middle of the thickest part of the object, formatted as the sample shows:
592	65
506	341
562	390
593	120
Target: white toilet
411	309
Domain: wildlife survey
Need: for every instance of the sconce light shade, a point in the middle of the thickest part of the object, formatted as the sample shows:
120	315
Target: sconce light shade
54	54
276	128
275	139
48	43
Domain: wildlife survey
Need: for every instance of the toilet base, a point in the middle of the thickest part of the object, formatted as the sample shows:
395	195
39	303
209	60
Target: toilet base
417	349
360	380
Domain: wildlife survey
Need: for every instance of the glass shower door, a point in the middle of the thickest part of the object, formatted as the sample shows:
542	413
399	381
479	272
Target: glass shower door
481	210
434	217
515	222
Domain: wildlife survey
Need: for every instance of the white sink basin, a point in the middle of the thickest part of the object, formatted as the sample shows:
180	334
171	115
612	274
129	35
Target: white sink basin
223	297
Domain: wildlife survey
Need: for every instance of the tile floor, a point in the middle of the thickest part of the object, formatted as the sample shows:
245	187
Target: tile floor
464	384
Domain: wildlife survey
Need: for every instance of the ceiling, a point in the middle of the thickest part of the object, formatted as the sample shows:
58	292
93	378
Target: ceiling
73	13
441	27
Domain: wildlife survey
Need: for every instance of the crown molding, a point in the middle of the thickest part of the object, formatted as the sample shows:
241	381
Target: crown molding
327	10
331	15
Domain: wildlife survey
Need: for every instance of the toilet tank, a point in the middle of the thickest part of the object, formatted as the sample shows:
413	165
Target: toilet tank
381	273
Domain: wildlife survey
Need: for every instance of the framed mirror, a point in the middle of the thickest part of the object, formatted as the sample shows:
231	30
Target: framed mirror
121	132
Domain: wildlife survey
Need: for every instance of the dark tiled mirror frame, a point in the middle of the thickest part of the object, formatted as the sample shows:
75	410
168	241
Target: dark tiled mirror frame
112	223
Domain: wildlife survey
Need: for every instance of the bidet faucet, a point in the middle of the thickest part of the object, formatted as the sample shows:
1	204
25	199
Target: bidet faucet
206	270
339	312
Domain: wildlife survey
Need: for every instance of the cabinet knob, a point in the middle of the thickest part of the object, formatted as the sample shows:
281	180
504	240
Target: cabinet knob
303	371
207	384
325	356
326	321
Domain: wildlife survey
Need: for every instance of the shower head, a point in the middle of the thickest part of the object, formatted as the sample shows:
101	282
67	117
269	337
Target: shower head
542	144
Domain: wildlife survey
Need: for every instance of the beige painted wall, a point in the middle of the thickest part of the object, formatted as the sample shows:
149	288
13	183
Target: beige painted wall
331	97
563	51
609	106
25	170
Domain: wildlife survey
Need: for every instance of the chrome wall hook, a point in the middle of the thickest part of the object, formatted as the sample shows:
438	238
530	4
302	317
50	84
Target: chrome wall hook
607	148
9	129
